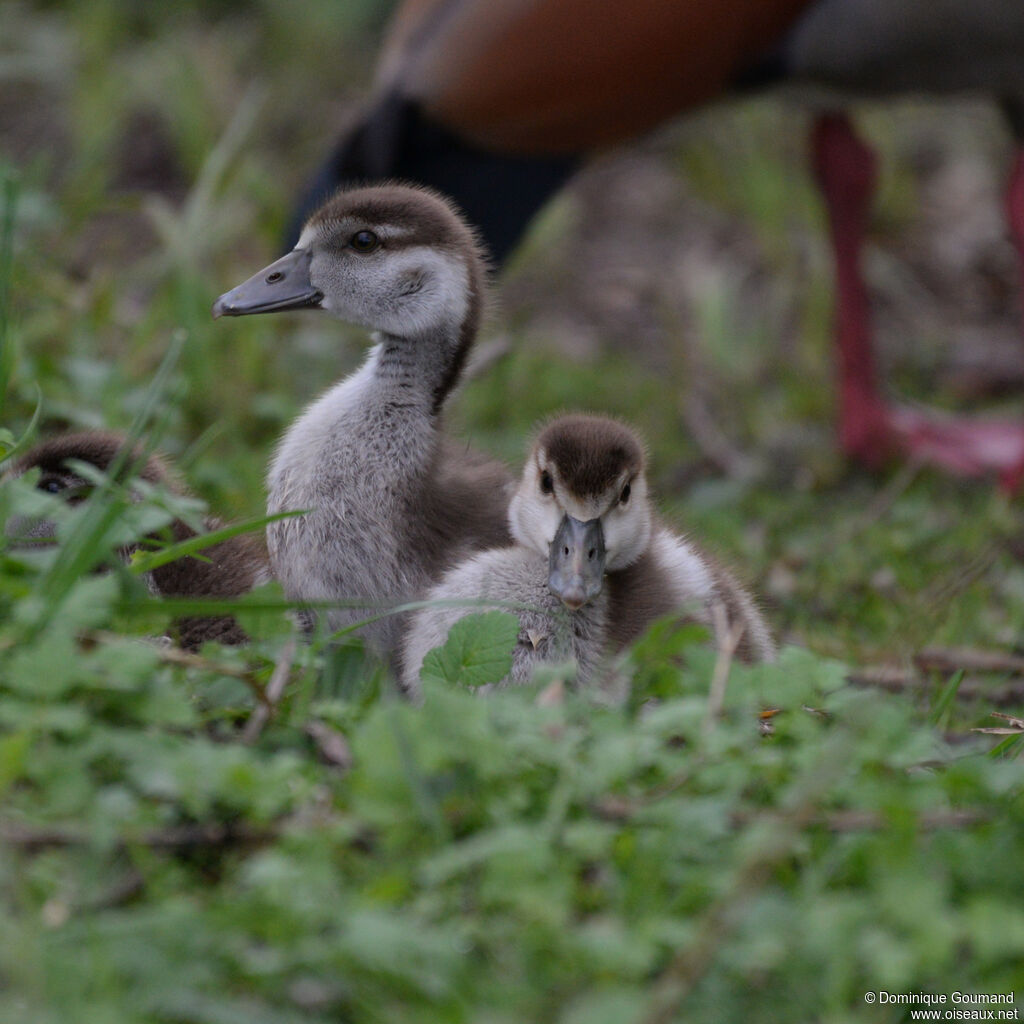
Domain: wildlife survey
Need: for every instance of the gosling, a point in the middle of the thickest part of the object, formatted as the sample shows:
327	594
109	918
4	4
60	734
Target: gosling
390	502
227	569
591	567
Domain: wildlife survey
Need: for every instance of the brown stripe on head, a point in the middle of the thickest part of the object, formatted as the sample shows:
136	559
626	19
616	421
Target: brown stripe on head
98	448
591	453
418	215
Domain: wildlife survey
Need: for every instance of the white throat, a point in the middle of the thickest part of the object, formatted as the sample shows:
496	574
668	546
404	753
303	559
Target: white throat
432	294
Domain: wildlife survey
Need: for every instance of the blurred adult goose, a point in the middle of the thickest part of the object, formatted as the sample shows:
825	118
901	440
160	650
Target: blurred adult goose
469	99
591	565
227	569
391	504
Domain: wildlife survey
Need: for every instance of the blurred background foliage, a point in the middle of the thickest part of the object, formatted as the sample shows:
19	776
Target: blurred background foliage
507	859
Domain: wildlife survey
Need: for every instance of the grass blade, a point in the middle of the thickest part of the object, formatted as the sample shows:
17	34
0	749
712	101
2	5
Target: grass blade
85	546
947	698
8	204
143	562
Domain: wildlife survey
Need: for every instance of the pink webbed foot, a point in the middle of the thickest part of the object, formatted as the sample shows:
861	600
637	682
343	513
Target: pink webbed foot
958	445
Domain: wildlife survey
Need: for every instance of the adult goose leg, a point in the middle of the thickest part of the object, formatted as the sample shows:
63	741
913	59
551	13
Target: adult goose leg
871	428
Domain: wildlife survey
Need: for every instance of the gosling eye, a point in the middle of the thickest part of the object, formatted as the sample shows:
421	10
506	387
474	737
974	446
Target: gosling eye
364	241
624	496
50	484
547	485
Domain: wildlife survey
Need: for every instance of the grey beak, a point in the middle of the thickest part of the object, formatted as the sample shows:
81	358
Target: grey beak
285	284
576	561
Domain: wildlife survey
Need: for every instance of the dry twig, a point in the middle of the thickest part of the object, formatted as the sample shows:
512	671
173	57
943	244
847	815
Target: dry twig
969	659
187	659
1014	726
331	743
895	679
272	695
729	637
33	838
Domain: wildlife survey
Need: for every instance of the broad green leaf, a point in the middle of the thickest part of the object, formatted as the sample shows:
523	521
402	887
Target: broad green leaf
13	754
478	650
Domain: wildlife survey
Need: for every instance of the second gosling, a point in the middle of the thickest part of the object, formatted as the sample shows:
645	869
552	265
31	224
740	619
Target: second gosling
592	568
229	568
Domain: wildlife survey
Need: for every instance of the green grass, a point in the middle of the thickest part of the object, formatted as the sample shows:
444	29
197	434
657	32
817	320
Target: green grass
500	860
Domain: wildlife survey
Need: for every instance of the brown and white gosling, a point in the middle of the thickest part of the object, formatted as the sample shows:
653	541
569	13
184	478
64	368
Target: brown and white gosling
391	503
591	566
227	569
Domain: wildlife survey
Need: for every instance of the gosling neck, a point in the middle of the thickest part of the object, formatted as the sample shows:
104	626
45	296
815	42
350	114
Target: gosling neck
428	361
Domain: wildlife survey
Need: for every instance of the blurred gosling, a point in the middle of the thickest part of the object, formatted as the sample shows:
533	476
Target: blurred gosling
227	569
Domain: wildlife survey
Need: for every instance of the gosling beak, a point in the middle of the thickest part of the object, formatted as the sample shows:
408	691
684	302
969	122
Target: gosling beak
576	561
285	284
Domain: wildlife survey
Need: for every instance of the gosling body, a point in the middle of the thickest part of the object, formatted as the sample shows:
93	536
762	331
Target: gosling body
390	502
512	579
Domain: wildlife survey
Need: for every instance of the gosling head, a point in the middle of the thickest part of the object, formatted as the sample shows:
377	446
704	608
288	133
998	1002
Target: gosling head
391	258
55	460
582	502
